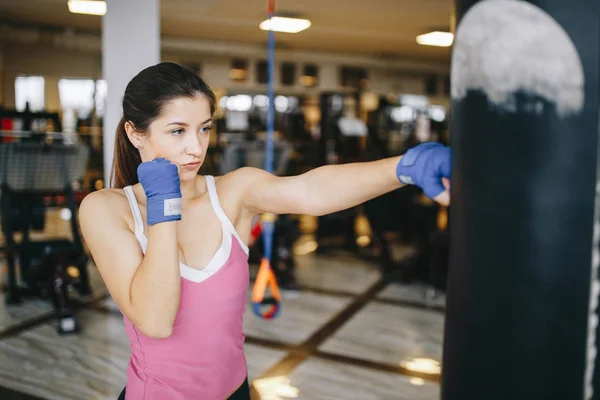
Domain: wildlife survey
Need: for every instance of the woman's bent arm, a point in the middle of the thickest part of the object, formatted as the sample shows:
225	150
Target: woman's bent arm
146	288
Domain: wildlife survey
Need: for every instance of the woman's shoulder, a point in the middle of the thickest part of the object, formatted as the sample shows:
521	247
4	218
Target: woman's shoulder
103	203
233	186
236	181
240	176
104	196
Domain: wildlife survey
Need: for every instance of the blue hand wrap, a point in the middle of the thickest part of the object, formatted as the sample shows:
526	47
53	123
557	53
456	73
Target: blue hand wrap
424	166
160	180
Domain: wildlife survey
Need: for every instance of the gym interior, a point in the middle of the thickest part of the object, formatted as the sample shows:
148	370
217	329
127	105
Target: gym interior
396	298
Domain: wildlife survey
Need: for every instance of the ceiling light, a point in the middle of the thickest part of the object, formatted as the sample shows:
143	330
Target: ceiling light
285	24
91	7
436	38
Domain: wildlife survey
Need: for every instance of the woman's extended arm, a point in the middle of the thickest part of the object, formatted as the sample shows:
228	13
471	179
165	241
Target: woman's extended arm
320	191
334	188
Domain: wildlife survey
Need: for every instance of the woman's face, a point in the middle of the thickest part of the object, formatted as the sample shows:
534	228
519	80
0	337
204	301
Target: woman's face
180	134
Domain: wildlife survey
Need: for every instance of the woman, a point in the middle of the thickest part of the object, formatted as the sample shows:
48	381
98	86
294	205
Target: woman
171	244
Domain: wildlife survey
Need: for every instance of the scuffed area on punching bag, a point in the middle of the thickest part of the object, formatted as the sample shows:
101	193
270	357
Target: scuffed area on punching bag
592	346
506	47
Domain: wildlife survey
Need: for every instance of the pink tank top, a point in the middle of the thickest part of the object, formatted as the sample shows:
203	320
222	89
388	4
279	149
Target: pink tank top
204	356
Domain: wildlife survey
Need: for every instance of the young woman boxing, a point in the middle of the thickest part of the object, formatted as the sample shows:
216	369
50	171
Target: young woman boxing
171	244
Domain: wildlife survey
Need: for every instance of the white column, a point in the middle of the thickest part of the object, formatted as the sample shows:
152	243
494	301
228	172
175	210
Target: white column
328	77
130	43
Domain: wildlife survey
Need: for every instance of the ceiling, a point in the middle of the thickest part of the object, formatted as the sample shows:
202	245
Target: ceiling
377	27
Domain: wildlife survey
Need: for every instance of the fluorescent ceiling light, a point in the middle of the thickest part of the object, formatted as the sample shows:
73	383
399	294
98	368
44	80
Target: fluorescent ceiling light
284	24
436	38
91	7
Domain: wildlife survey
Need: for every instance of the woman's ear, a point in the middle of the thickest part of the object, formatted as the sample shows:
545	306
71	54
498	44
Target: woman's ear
134	136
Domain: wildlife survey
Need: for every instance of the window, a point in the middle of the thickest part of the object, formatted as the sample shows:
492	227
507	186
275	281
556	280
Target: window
30	89
262	73
100	97
288	74
310	77
77	95
353	77
447	85
431	85
239	70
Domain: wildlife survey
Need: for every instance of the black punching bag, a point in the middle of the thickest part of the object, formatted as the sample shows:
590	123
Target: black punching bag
525	149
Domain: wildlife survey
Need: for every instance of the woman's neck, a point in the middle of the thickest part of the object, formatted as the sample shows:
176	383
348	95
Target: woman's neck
189	189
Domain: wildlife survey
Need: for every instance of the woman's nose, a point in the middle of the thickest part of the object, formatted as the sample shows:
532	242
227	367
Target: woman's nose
193	146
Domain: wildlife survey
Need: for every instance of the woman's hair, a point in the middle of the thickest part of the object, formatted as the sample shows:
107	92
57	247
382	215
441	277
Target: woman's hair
145	97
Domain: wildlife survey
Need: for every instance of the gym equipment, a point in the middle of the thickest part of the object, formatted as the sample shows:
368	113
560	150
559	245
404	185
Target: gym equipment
274	156
406	215
285	234
31	170
336	146
252	153
342	140
265	273
265	276
27	119
403	121
521	315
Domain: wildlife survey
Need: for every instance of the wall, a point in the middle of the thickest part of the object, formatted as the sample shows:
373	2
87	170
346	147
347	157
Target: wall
52	64
68	54
215	70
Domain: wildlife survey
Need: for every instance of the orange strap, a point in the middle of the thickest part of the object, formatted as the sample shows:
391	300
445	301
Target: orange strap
265	278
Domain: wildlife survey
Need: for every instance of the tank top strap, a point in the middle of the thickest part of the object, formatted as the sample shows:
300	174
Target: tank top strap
216	205
137	215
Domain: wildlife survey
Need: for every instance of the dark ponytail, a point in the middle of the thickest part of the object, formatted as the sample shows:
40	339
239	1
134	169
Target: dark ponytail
145	96
126	159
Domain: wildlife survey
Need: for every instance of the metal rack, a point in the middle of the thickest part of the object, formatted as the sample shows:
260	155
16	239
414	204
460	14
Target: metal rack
30	170
252	154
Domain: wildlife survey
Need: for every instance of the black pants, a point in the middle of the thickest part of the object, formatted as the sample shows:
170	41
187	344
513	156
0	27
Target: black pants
243	393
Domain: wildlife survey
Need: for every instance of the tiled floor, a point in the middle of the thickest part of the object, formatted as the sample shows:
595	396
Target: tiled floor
14	315
389	334
36	308
417	294
331	273
325	380
349	334
300	317
89	365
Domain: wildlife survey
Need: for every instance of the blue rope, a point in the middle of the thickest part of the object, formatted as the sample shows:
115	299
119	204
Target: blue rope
268	227
271	96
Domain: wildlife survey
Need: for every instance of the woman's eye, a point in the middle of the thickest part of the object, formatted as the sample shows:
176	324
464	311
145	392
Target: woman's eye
206	129
177	132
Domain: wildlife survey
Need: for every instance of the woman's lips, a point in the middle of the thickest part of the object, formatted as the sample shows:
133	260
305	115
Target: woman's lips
191	165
